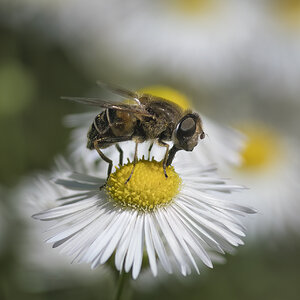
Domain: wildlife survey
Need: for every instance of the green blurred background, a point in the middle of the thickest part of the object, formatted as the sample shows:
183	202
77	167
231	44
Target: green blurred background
35	70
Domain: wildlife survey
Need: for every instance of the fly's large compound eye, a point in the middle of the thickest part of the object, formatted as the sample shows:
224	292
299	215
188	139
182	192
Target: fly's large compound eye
187	127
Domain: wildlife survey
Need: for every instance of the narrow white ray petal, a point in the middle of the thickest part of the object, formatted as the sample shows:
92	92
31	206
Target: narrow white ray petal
205	210
158	245
62	211
76	185
111	246
150	248
74	228
215	214
234	240
222	204
73	218
125	241
138	256
172	241
95	231
102	220
202	179
77	198
182	241
130	256
102	240
213	187
201	233
86	178
188	237
79	243
213	201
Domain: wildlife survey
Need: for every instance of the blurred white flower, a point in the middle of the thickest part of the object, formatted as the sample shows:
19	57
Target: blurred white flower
202	44
271	170
170	220
191	41
272	67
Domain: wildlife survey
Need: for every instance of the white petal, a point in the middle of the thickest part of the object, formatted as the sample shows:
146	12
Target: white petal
172	242
125	241
110	248
150	248
137	262
159	246
62	211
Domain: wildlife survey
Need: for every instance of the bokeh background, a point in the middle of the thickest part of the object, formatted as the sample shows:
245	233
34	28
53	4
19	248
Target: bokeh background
238	61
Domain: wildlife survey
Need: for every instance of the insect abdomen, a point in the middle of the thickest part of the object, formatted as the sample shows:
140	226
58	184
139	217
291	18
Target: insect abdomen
96	133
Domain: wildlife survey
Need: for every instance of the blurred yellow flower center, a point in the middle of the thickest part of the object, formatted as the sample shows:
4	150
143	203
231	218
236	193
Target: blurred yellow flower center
261	148
191	7
168	94
148	187
288	11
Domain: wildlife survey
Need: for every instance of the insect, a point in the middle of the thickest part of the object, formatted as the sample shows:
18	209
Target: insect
147	118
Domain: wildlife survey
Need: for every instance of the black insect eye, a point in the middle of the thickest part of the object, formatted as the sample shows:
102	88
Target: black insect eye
202	135
187	127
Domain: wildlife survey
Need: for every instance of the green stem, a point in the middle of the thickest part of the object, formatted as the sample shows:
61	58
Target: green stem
121	283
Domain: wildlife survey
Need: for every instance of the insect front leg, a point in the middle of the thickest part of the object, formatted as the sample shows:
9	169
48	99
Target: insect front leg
163	144
171	156
121	154
134	161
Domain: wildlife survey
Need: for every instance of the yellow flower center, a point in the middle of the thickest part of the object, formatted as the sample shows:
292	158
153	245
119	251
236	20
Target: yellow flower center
289	12
191	7
148	187
262	148
168	94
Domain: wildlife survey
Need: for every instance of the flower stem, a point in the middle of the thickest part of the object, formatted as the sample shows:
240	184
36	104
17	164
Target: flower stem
122	279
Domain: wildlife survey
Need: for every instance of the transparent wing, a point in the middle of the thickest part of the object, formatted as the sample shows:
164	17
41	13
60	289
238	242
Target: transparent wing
134	109
130	94
119	91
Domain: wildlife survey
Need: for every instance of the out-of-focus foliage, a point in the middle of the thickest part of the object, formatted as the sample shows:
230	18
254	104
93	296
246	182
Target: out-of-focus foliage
34	74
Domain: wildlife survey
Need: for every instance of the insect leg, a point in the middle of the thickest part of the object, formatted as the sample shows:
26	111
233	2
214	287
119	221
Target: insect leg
110	140
134	161
104	157
172	153
149	150
121	154
163	144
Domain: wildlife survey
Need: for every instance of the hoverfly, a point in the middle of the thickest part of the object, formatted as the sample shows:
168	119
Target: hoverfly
148	118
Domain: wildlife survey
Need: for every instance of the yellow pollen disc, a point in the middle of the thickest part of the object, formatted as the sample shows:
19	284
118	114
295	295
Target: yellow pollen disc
148	187
191	7
262	148
169	94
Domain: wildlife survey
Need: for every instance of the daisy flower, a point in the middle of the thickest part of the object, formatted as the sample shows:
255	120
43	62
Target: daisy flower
222	144
151	219
270	169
